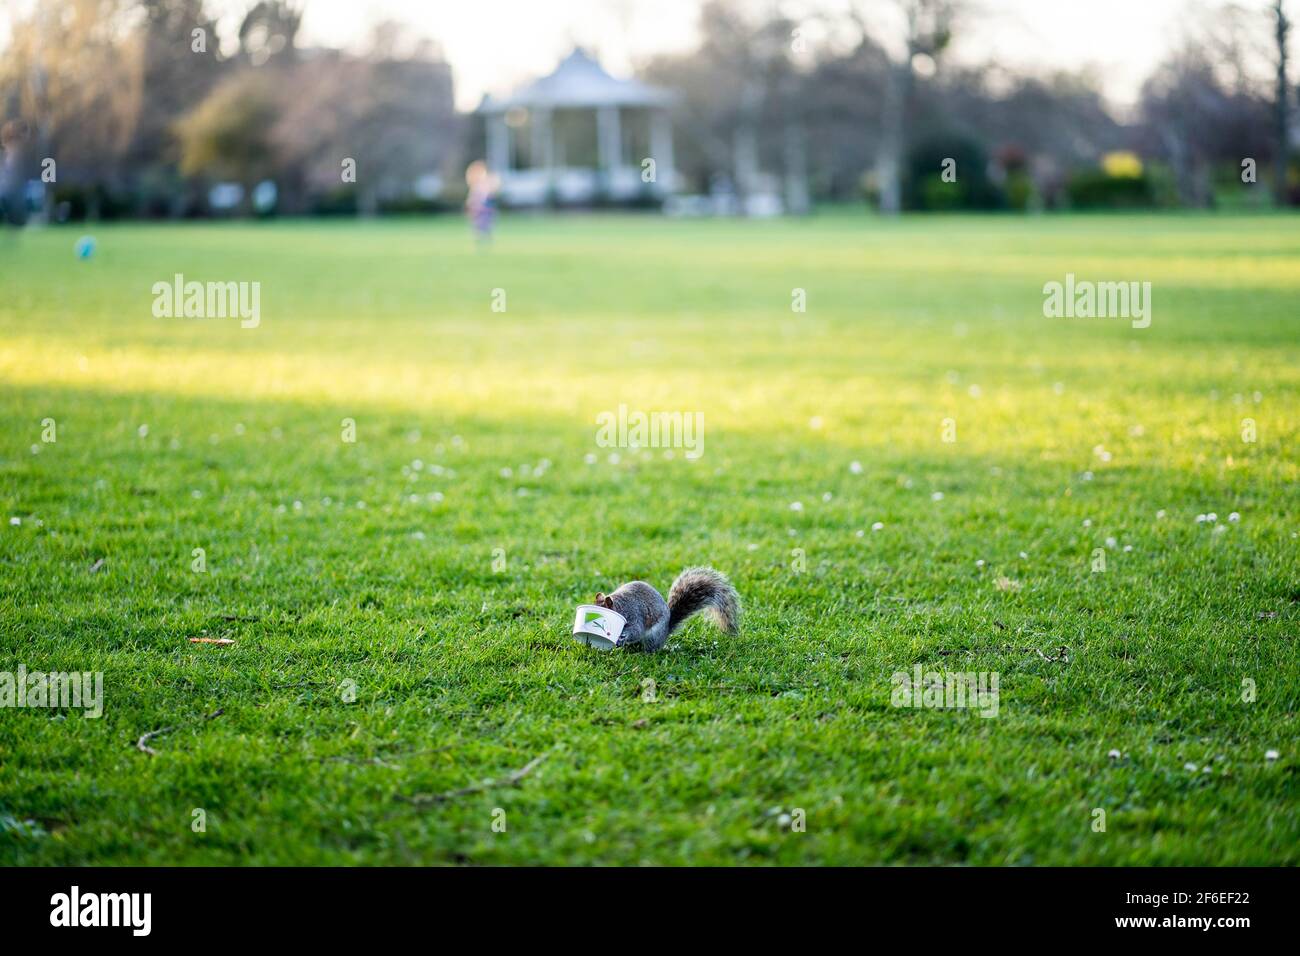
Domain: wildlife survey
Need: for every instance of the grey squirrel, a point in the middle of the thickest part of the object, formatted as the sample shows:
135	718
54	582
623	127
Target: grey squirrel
650	619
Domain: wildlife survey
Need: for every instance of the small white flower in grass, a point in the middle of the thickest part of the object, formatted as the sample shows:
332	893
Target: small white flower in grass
1111	543
143	431
979	563
36	449
796	506
1211	517
1271	755
1161	513
1114	755
859	533
1191	766
1200	519
361	505
1128	548
418	464
417	535
855	467
1086	476
434	496
1220	528
507	473
1234	517
1024	555
1205	769
937	496
878	526
15	521
751	547
826	496
327	500
297	506
1087	522
589	458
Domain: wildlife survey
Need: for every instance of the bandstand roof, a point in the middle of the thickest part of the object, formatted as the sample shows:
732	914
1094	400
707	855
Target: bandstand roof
577	82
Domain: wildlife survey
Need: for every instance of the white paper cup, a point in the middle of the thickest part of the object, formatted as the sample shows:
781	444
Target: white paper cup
598	627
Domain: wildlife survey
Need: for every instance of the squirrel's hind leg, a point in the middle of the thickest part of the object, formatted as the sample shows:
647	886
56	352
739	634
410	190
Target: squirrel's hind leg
656	636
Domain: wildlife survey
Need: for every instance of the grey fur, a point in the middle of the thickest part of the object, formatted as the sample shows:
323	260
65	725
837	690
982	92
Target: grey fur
650	619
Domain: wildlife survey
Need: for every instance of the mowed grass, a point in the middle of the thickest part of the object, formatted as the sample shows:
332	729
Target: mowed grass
373	562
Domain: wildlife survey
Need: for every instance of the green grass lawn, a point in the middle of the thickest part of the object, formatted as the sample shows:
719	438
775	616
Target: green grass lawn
379	561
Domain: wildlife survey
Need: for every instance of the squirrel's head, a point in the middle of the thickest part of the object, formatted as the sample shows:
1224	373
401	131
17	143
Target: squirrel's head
604	600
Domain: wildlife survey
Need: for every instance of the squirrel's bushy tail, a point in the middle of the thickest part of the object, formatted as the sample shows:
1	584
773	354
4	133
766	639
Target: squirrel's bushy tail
703	589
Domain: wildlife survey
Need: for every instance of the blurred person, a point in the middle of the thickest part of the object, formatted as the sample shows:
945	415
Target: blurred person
13	191
480	204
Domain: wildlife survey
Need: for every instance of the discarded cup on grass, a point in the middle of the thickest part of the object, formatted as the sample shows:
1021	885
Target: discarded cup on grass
598	627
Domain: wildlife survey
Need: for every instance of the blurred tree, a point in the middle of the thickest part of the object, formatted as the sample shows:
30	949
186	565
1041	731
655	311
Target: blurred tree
269	31
1282	107
926	28
742	103
181	65
74	69
391	112
842	102
1208	103
228	135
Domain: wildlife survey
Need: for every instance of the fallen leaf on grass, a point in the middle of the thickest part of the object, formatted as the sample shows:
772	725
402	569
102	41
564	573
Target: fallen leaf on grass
1004	583
211	640
94	568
